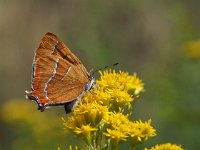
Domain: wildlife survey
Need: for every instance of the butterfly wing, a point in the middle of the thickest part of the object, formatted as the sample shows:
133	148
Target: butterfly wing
58	75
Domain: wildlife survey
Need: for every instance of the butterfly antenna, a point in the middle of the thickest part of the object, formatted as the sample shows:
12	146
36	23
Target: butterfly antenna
103	68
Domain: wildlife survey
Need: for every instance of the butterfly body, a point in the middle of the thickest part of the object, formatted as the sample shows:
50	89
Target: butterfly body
58	76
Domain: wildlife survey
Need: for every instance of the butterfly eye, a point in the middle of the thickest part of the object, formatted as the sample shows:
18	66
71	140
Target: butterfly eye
90	84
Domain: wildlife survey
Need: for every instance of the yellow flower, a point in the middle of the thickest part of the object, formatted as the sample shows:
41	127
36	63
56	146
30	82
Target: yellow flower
116	135
78	125
166	146
85	129
192	49
134	85
118	89
86	119
116	127
97	95
93	112
140	131
122	80
115	120
120	98
74	122
108	80
85	132
102	97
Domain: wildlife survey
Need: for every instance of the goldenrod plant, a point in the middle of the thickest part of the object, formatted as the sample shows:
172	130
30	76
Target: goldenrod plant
102	118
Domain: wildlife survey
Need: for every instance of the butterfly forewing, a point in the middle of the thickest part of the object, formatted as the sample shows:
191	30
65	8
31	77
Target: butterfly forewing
67	84
58	75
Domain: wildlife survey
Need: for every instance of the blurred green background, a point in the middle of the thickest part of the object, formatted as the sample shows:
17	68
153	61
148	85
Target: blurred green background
159	40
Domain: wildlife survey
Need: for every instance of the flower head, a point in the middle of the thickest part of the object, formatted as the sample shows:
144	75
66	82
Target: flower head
116	135
119	89
122	80
87	113
116	130
115	120
120	99
93	112
87	117
141	131
166	146
77	125
192	49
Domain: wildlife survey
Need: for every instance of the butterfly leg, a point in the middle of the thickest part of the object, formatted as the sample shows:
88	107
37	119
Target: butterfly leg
69	106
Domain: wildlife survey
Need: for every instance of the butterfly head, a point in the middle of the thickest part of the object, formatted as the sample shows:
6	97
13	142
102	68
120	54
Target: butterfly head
90	84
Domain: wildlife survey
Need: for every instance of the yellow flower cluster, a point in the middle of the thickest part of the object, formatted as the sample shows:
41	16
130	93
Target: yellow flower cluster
166	146
141	131
86	119
111	80
100	118
192	49
101	112
118	90
119	127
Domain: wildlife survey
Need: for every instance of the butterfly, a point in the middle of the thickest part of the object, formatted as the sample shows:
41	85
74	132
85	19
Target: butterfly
58	76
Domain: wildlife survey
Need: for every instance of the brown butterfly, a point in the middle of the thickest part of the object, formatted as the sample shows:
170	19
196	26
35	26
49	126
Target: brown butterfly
58	76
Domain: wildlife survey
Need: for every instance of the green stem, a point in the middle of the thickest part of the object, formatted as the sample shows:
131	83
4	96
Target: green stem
114	144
